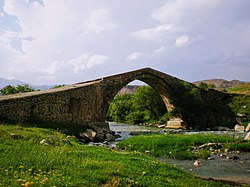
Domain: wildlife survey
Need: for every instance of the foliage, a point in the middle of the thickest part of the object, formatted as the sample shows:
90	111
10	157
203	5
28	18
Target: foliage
120	107
179	146
7	90
26	162
240	105
240	89
206	86
58	86
145	105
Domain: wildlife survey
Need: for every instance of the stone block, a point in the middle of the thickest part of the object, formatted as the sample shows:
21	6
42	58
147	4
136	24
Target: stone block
176	123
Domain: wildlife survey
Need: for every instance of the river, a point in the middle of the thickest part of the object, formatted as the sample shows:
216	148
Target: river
219	168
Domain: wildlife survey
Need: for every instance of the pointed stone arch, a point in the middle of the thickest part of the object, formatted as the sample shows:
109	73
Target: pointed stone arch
86	103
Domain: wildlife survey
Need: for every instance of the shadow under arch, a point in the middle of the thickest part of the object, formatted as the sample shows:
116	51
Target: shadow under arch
160	85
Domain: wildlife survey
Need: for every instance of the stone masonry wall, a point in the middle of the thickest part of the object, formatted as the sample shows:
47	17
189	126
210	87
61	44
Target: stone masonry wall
86	104
73	105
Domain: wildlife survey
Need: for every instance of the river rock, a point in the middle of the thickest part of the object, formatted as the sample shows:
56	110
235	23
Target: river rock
161	126
239	128
109	137
197	163
44	142
88	136
100	134
223	129
248	128
247	136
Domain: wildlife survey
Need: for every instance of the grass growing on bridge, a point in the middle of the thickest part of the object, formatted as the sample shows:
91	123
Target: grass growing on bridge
181	146
65	162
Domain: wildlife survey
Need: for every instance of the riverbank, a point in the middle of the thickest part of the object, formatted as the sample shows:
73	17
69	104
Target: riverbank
231	165
46	157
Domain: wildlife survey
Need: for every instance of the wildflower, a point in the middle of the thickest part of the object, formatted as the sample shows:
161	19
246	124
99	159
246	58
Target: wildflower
27	184
30	169
6	170
19	180
22	173
21	167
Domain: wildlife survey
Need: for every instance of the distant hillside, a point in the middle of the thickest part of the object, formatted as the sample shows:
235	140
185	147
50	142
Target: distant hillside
6	82
221	83
240	89
128	89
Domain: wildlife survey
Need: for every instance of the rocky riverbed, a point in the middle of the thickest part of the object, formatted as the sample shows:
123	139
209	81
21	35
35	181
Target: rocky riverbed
228	166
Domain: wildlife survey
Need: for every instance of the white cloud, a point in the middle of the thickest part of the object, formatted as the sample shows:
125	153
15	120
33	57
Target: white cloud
76	65
134	56
154	33
159	50
182	41
68	41
173	12
1	16
100	20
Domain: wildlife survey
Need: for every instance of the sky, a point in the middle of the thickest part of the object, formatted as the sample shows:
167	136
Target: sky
63	42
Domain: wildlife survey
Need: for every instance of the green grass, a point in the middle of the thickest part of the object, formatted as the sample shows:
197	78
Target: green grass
240	89
65	162
181	146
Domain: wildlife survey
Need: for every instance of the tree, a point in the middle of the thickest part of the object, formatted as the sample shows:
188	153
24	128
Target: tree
206	86
7	90
147	99
145	105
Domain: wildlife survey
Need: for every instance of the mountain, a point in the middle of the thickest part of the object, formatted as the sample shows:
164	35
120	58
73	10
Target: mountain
128	89
6	82
221	83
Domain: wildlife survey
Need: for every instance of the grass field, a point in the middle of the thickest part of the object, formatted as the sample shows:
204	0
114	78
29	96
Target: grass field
24	161
181	146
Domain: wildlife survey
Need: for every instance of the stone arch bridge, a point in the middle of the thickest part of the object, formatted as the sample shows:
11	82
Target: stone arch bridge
85	104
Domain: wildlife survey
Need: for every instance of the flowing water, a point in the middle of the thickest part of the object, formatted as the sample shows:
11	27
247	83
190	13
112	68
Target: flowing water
237	170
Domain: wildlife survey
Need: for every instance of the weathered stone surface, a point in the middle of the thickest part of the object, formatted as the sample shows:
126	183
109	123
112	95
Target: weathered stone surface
248	128
176	123
247	136
82	105
239	128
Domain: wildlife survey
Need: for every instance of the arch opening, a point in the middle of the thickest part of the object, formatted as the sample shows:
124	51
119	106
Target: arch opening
139	103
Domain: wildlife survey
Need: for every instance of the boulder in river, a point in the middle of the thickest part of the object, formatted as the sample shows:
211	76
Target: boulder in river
197	163
97	135
239	128
88	136
248	128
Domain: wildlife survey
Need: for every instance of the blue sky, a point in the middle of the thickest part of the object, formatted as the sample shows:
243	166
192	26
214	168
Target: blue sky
61	41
